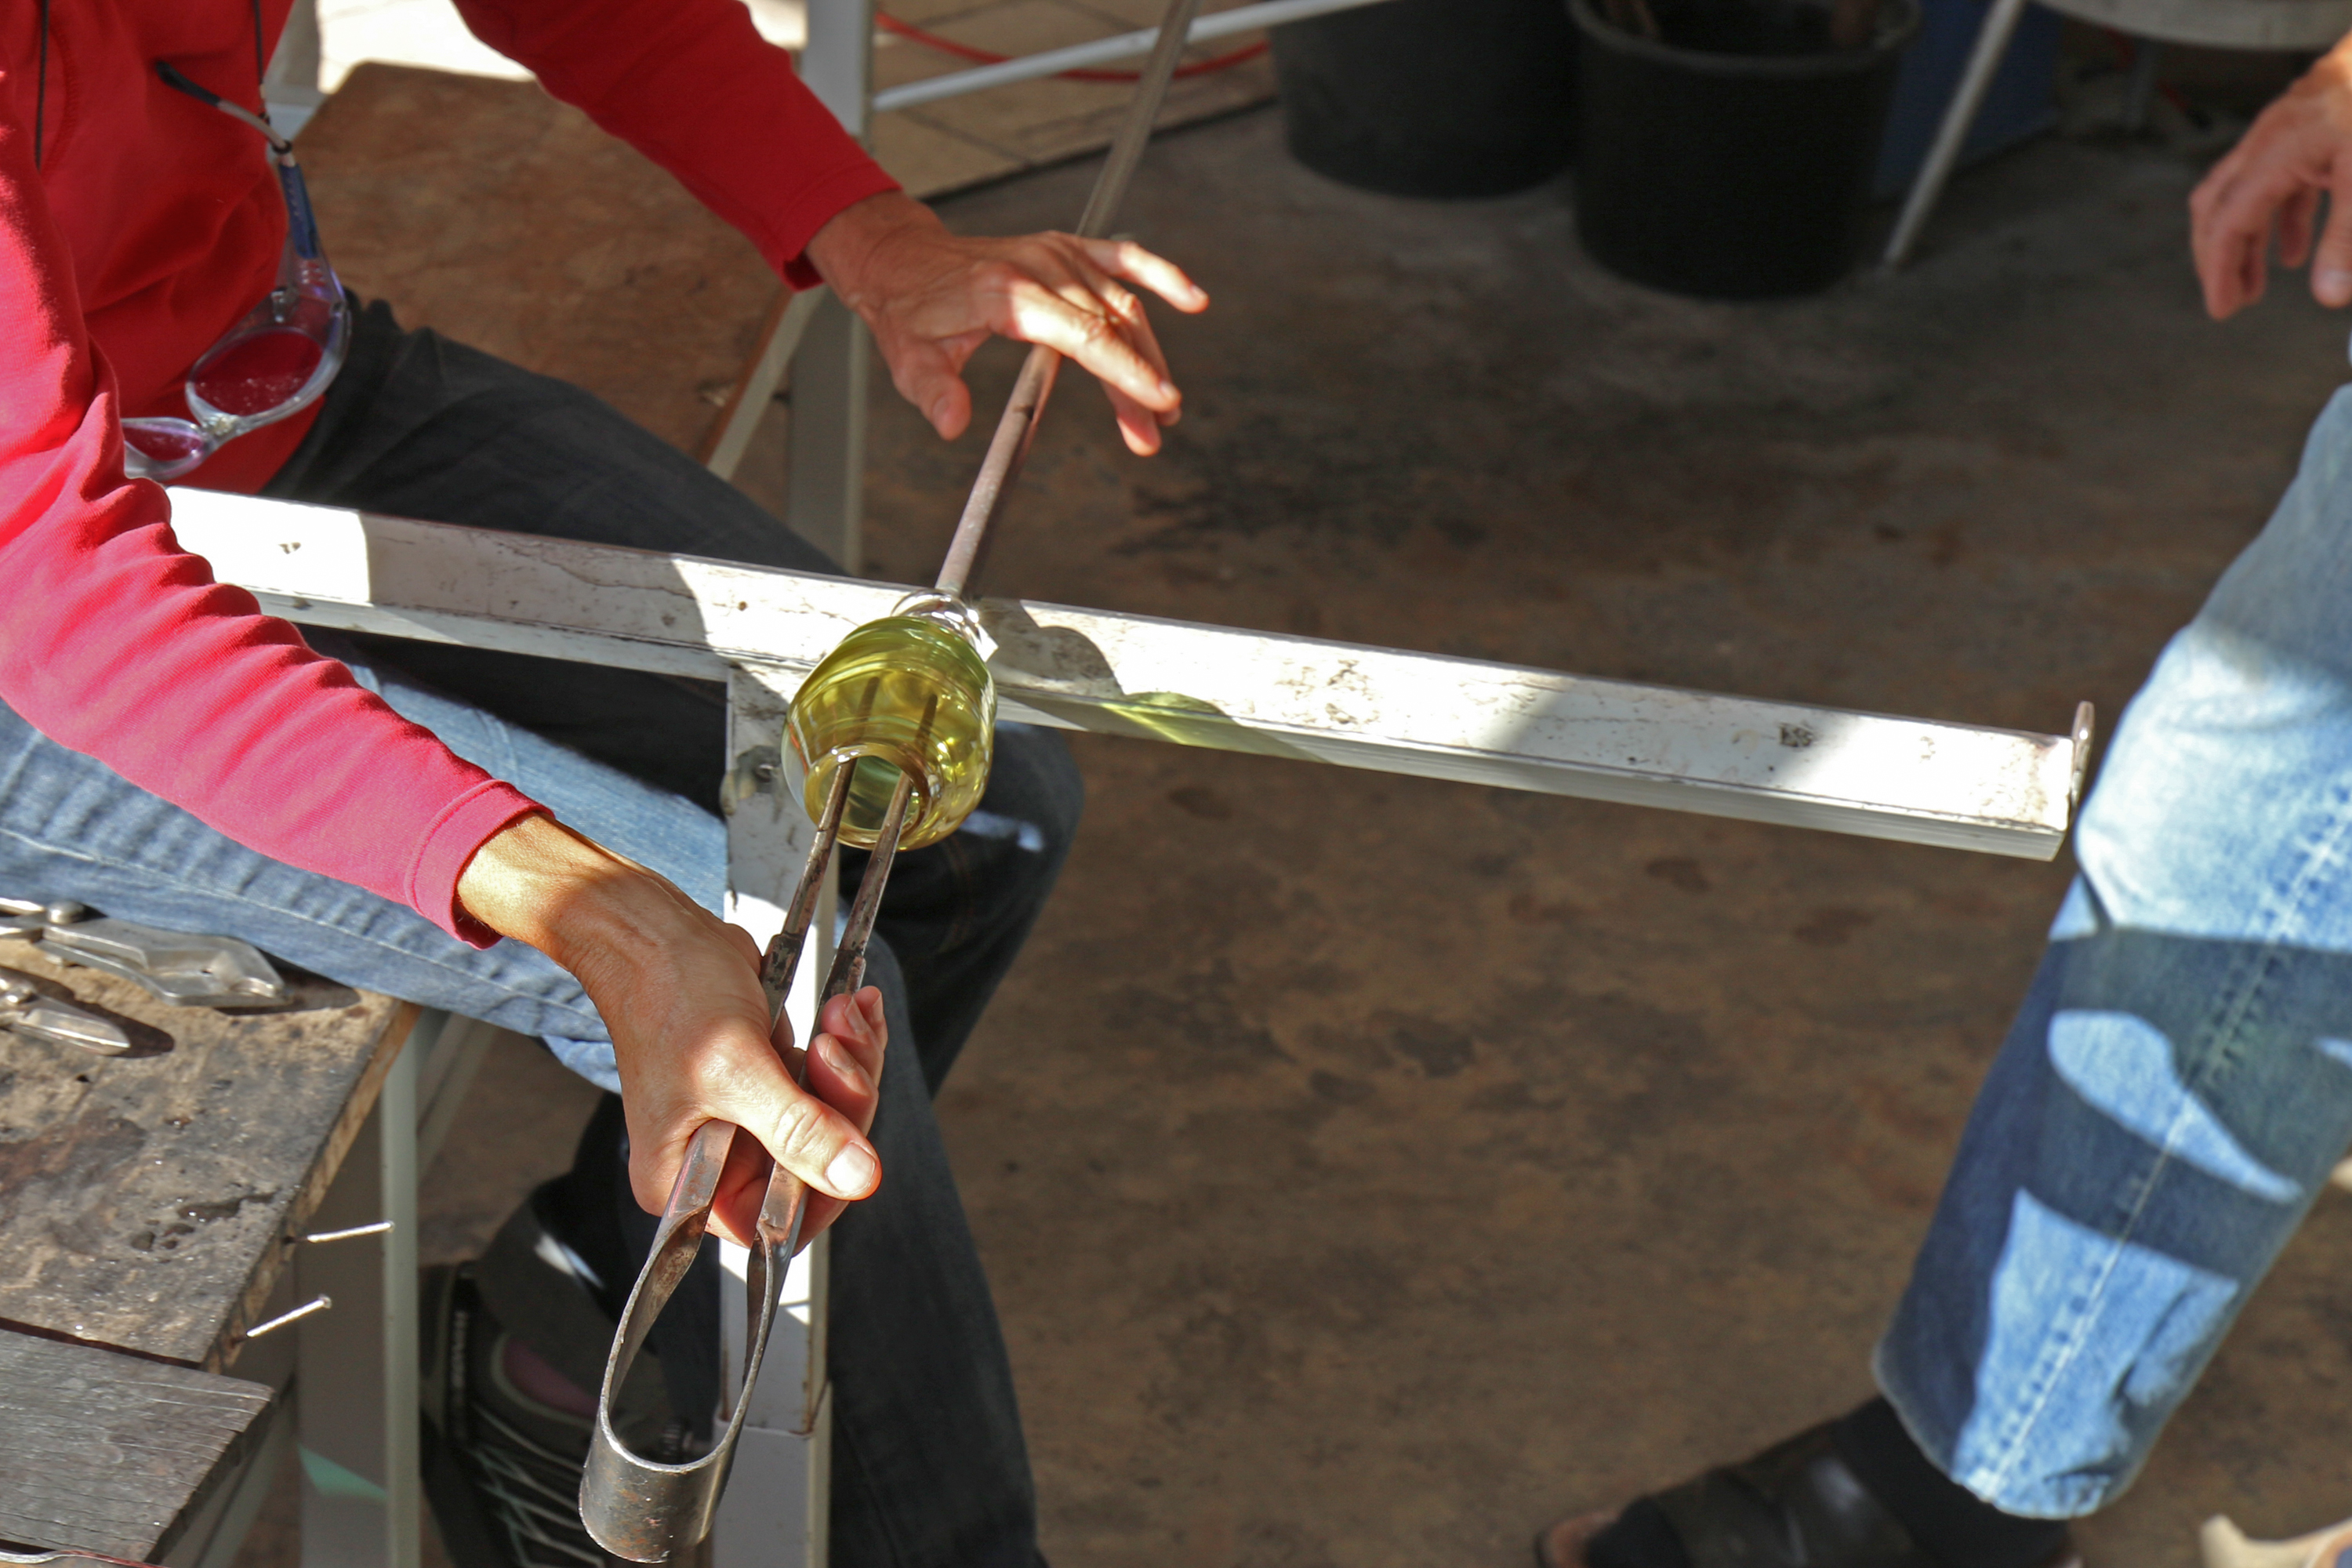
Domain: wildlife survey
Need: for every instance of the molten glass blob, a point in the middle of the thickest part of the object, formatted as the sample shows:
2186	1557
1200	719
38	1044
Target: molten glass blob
909	694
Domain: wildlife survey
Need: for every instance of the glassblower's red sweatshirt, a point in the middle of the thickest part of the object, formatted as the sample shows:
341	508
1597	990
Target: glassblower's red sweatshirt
152	223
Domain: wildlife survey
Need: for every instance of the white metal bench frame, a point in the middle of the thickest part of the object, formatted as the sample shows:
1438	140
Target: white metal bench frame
760	629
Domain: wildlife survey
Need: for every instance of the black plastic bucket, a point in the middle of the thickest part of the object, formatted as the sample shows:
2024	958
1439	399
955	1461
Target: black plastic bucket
1432	98
1732	175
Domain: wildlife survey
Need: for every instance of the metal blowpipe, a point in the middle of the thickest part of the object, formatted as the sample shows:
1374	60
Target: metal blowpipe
644	1509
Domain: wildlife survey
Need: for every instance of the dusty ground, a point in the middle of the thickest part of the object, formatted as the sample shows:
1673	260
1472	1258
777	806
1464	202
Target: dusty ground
1371	1169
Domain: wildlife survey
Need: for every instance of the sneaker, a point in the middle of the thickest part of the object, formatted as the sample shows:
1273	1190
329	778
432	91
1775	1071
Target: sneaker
501	1465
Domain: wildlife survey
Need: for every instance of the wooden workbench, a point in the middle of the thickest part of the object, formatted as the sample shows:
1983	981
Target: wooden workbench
150	1206
148	1203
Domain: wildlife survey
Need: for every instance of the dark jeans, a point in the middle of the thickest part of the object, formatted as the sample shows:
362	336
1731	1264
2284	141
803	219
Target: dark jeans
929	1465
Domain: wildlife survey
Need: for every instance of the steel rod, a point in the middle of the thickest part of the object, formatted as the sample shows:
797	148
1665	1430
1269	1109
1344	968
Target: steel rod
1927	186
1017	426
310	1308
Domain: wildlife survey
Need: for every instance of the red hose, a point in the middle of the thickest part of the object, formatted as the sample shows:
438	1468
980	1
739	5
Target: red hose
891	24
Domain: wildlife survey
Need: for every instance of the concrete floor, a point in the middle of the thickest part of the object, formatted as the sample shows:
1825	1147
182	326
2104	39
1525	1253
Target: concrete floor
1371	1169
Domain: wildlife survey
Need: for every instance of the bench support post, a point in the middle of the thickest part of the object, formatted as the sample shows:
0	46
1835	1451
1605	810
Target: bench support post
355	1370
774	1513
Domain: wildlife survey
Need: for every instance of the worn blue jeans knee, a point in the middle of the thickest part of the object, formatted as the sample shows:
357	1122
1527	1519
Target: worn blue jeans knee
2178	1082
70	827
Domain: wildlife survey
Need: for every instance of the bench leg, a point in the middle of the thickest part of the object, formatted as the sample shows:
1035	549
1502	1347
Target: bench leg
773	1513
355	1367
825	489
824	497
1992	43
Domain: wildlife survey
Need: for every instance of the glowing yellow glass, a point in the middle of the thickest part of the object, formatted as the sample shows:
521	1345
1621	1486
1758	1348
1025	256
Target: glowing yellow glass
906	693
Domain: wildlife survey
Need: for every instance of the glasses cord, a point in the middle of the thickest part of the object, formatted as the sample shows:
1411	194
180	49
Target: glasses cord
174	77
41	89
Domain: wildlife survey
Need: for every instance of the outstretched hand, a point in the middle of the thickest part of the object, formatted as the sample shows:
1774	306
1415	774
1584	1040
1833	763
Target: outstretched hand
2269	187
679	989
932	298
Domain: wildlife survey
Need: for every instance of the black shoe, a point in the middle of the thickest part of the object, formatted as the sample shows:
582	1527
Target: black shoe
1795	1505
501	1468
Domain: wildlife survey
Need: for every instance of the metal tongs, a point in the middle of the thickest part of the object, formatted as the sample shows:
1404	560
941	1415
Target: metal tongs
642	1509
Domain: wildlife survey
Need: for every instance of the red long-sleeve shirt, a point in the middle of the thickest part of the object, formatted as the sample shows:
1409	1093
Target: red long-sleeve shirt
149	226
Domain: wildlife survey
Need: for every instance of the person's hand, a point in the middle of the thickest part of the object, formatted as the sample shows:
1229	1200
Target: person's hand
679	989
932	298
2297	150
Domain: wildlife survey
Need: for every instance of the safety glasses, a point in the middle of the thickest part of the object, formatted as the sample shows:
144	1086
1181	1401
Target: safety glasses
273	363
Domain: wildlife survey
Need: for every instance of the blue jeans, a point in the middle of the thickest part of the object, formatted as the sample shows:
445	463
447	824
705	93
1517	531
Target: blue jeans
2178	1083
930	1469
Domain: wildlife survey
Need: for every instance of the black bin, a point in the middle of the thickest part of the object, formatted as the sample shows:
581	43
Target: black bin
1731	173
1431	97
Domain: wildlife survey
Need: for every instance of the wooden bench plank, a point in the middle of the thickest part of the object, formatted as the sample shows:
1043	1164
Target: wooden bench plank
150	1202
105	1452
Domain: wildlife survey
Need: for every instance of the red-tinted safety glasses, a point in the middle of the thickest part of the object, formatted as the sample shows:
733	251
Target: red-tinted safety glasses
274	363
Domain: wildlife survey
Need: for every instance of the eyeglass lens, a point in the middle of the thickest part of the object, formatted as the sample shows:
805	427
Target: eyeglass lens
257	374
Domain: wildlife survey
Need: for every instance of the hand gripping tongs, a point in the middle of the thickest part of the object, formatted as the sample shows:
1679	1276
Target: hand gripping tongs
640	1509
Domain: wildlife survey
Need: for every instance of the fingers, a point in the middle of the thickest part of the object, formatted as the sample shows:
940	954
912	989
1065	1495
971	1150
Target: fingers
932	298
746	1083
2269	186
2331	265
742	1187
2229	247
845	1070
2296	227
854	1029
2231	215
2234	210
1095	339
1124	259
1138	426
844	1065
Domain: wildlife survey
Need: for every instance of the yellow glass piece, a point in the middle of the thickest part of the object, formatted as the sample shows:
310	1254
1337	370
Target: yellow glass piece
906	693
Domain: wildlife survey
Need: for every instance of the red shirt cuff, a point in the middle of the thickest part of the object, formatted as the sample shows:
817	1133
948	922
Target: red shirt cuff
831	197
471	821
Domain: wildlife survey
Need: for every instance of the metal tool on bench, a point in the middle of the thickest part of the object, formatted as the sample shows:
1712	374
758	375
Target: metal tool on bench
187	970
894	729
26	1010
